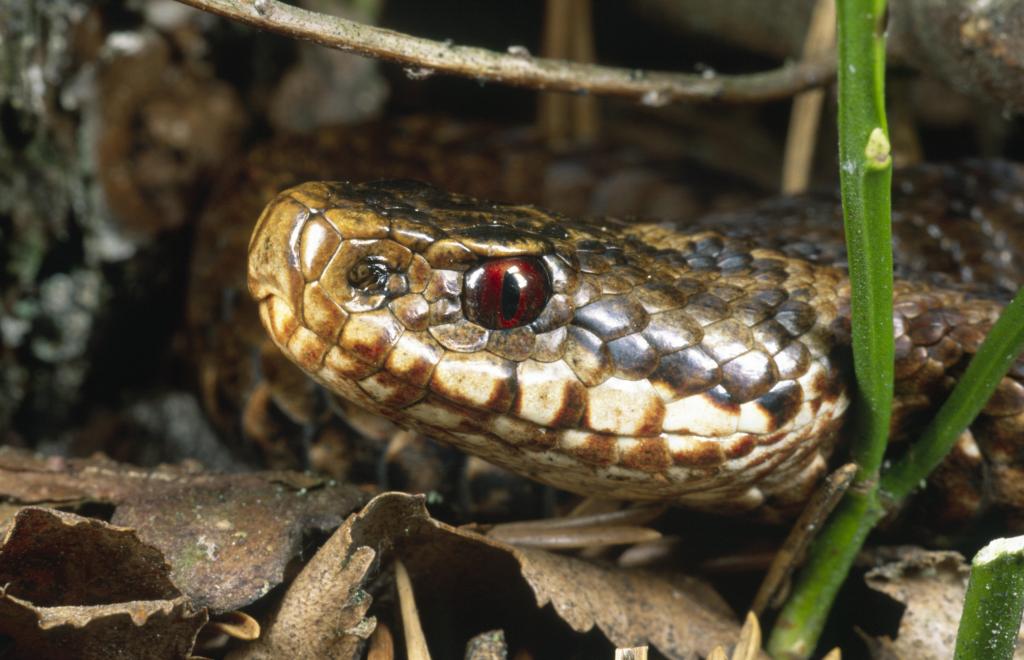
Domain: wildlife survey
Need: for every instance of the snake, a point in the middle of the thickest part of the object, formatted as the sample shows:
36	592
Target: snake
263	407
703	364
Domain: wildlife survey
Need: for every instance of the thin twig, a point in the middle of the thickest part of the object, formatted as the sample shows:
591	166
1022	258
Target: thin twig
382	643
415	640
584	108
806	113
802	533
554	116
748	646
426	57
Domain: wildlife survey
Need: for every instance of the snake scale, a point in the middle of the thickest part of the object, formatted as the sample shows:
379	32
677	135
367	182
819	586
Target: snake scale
705	364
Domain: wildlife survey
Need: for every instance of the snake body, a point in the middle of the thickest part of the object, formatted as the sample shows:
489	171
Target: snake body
706	367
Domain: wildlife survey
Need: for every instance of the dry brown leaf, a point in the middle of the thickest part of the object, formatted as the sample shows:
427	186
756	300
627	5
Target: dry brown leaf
676	613
228	537
322	614
466	583
77	587
54	558
932	586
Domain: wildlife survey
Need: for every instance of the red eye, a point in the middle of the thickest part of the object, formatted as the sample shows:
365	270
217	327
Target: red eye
506	293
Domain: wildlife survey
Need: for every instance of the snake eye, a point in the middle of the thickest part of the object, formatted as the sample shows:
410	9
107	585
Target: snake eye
506	293
369	274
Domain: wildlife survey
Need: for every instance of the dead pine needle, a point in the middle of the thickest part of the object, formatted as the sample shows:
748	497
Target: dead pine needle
382	643
604	528
415	641
718	653
568	35
802	533
806	114
749	645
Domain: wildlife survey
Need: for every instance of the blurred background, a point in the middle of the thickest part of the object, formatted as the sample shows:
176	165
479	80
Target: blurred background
139	140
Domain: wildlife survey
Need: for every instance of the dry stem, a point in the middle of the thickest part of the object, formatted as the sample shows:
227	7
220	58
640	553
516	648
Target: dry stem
426	57
806	114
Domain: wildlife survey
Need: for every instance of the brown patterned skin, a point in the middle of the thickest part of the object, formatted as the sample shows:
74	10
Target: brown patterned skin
957	226
697	367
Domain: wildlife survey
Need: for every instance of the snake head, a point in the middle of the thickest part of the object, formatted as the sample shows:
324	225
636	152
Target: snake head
368	287
629	360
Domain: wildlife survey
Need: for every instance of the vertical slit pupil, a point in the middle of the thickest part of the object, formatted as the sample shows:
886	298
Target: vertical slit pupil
510	292
505	293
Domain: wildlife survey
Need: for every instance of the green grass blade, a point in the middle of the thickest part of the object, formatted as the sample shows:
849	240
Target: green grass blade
994	602
865	182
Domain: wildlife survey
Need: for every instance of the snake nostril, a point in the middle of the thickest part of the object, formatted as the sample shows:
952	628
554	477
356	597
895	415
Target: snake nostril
369	274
